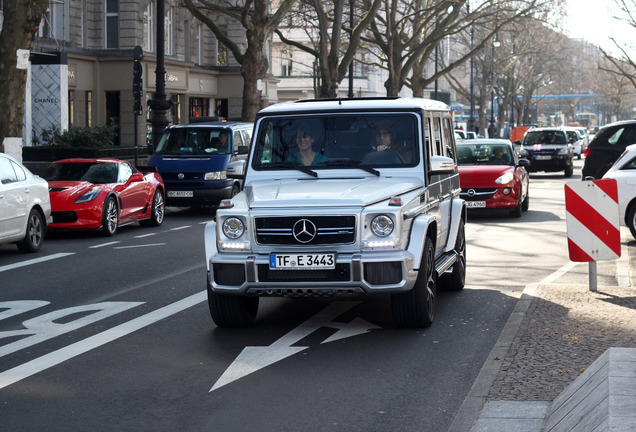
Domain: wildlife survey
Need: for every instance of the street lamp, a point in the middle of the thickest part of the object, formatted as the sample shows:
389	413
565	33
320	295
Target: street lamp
495	44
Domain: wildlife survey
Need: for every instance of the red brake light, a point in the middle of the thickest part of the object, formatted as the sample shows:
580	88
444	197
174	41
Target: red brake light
586	152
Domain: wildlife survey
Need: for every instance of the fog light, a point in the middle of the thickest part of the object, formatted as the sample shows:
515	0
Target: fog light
506	191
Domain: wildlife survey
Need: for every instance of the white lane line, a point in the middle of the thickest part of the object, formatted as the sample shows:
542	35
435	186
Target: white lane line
104	244
145	235
35	261
140	246
54	358
180	228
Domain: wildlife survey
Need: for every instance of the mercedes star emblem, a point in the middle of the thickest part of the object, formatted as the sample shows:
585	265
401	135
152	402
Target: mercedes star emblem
304	230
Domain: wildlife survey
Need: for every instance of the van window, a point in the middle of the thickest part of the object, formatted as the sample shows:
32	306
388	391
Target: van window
194	141
447	133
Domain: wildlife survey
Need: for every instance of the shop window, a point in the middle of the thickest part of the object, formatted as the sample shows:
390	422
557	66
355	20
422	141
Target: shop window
199	107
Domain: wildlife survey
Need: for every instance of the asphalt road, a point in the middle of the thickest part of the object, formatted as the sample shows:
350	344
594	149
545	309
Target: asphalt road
114	334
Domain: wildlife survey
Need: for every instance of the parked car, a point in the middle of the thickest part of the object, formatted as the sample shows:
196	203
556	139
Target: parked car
576	138
492	175
25	207
624	172
103	194
548	150
342	198
608	144
201	163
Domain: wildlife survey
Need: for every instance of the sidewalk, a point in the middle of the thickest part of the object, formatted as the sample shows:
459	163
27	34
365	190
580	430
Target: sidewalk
555	332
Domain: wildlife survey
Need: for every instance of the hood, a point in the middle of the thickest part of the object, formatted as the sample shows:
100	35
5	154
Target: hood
482	175
70	190
544	147
167	163
351	192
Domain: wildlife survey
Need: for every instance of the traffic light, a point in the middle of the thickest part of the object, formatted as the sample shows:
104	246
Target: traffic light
138	86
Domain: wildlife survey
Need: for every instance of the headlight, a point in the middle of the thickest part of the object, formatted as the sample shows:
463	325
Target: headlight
564	151
523	152
88	196
505	179
233	227
215	175
382	225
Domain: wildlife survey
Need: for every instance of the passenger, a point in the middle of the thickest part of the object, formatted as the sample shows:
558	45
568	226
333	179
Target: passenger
306	154
499	156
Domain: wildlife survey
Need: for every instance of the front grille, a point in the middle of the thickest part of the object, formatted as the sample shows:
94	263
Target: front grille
64	217
328	230
229	274
478	194
383	273
183	184
339	274
186	176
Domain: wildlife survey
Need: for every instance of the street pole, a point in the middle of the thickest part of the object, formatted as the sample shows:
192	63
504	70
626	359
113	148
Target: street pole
471	118
350	37
159	105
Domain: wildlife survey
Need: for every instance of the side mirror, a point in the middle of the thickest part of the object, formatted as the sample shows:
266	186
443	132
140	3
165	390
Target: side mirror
517	142
243	149
136	177
442	165
236	169
524	162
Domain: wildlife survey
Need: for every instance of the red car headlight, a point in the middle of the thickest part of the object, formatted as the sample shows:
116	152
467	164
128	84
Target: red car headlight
505	179
88	196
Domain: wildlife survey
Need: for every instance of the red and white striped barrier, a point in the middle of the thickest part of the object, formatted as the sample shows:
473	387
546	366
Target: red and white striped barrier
592	220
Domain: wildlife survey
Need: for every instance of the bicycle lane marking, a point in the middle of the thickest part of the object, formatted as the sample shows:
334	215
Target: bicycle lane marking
54	358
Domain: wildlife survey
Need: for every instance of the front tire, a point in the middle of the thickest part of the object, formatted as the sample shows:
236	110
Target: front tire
416	308
526	202
110	217
34	235
569	171
456	280
157	212
518	210
631	219
232	310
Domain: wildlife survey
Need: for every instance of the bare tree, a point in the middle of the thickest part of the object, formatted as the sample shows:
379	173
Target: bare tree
21	19
259	22
333	54
624	65
407	32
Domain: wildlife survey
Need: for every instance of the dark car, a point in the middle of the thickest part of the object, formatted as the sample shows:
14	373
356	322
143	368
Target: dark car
608	144
548	150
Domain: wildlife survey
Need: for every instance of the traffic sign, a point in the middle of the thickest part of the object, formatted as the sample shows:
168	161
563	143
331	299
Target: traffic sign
592	219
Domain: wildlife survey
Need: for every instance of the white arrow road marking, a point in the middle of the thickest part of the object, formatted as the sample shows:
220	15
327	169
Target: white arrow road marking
253	358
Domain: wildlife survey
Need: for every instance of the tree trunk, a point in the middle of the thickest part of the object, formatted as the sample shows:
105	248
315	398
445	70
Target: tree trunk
21	19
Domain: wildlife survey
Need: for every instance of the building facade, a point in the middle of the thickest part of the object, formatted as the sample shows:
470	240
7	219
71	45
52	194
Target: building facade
97	38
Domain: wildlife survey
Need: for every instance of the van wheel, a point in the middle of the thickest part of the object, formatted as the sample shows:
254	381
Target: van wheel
456	280
32	241
232	310
235	191
416	308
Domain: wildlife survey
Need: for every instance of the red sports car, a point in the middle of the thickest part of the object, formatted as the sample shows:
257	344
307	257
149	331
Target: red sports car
103	194
492	175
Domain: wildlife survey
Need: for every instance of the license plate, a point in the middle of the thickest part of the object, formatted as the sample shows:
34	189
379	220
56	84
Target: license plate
542	157
180	194
302	261
476	204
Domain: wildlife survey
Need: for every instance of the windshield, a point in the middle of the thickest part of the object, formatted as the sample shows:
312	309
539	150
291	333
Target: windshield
195	141
484	154
93	172
544	137
325	142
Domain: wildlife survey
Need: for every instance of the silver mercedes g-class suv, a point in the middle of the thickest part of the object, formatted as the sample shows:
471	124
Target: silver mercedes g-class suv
342	198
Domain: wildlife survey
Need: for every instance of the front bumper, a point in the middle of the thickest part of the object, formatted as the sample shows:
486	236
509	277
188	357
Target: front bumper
355	274
554	164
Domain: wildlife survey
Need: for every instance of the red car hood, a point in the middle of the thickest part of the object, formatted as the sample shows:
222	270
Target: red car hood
69	191
482	175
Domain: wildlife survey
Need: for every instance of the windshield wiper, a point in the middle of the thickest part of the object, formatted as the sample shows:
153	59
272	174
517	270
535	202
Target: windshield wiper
350	163
292	166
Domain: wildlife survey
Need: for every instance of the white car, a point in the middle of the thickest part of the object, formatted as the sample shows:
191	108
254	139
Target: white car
624	171
25	206
577	139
